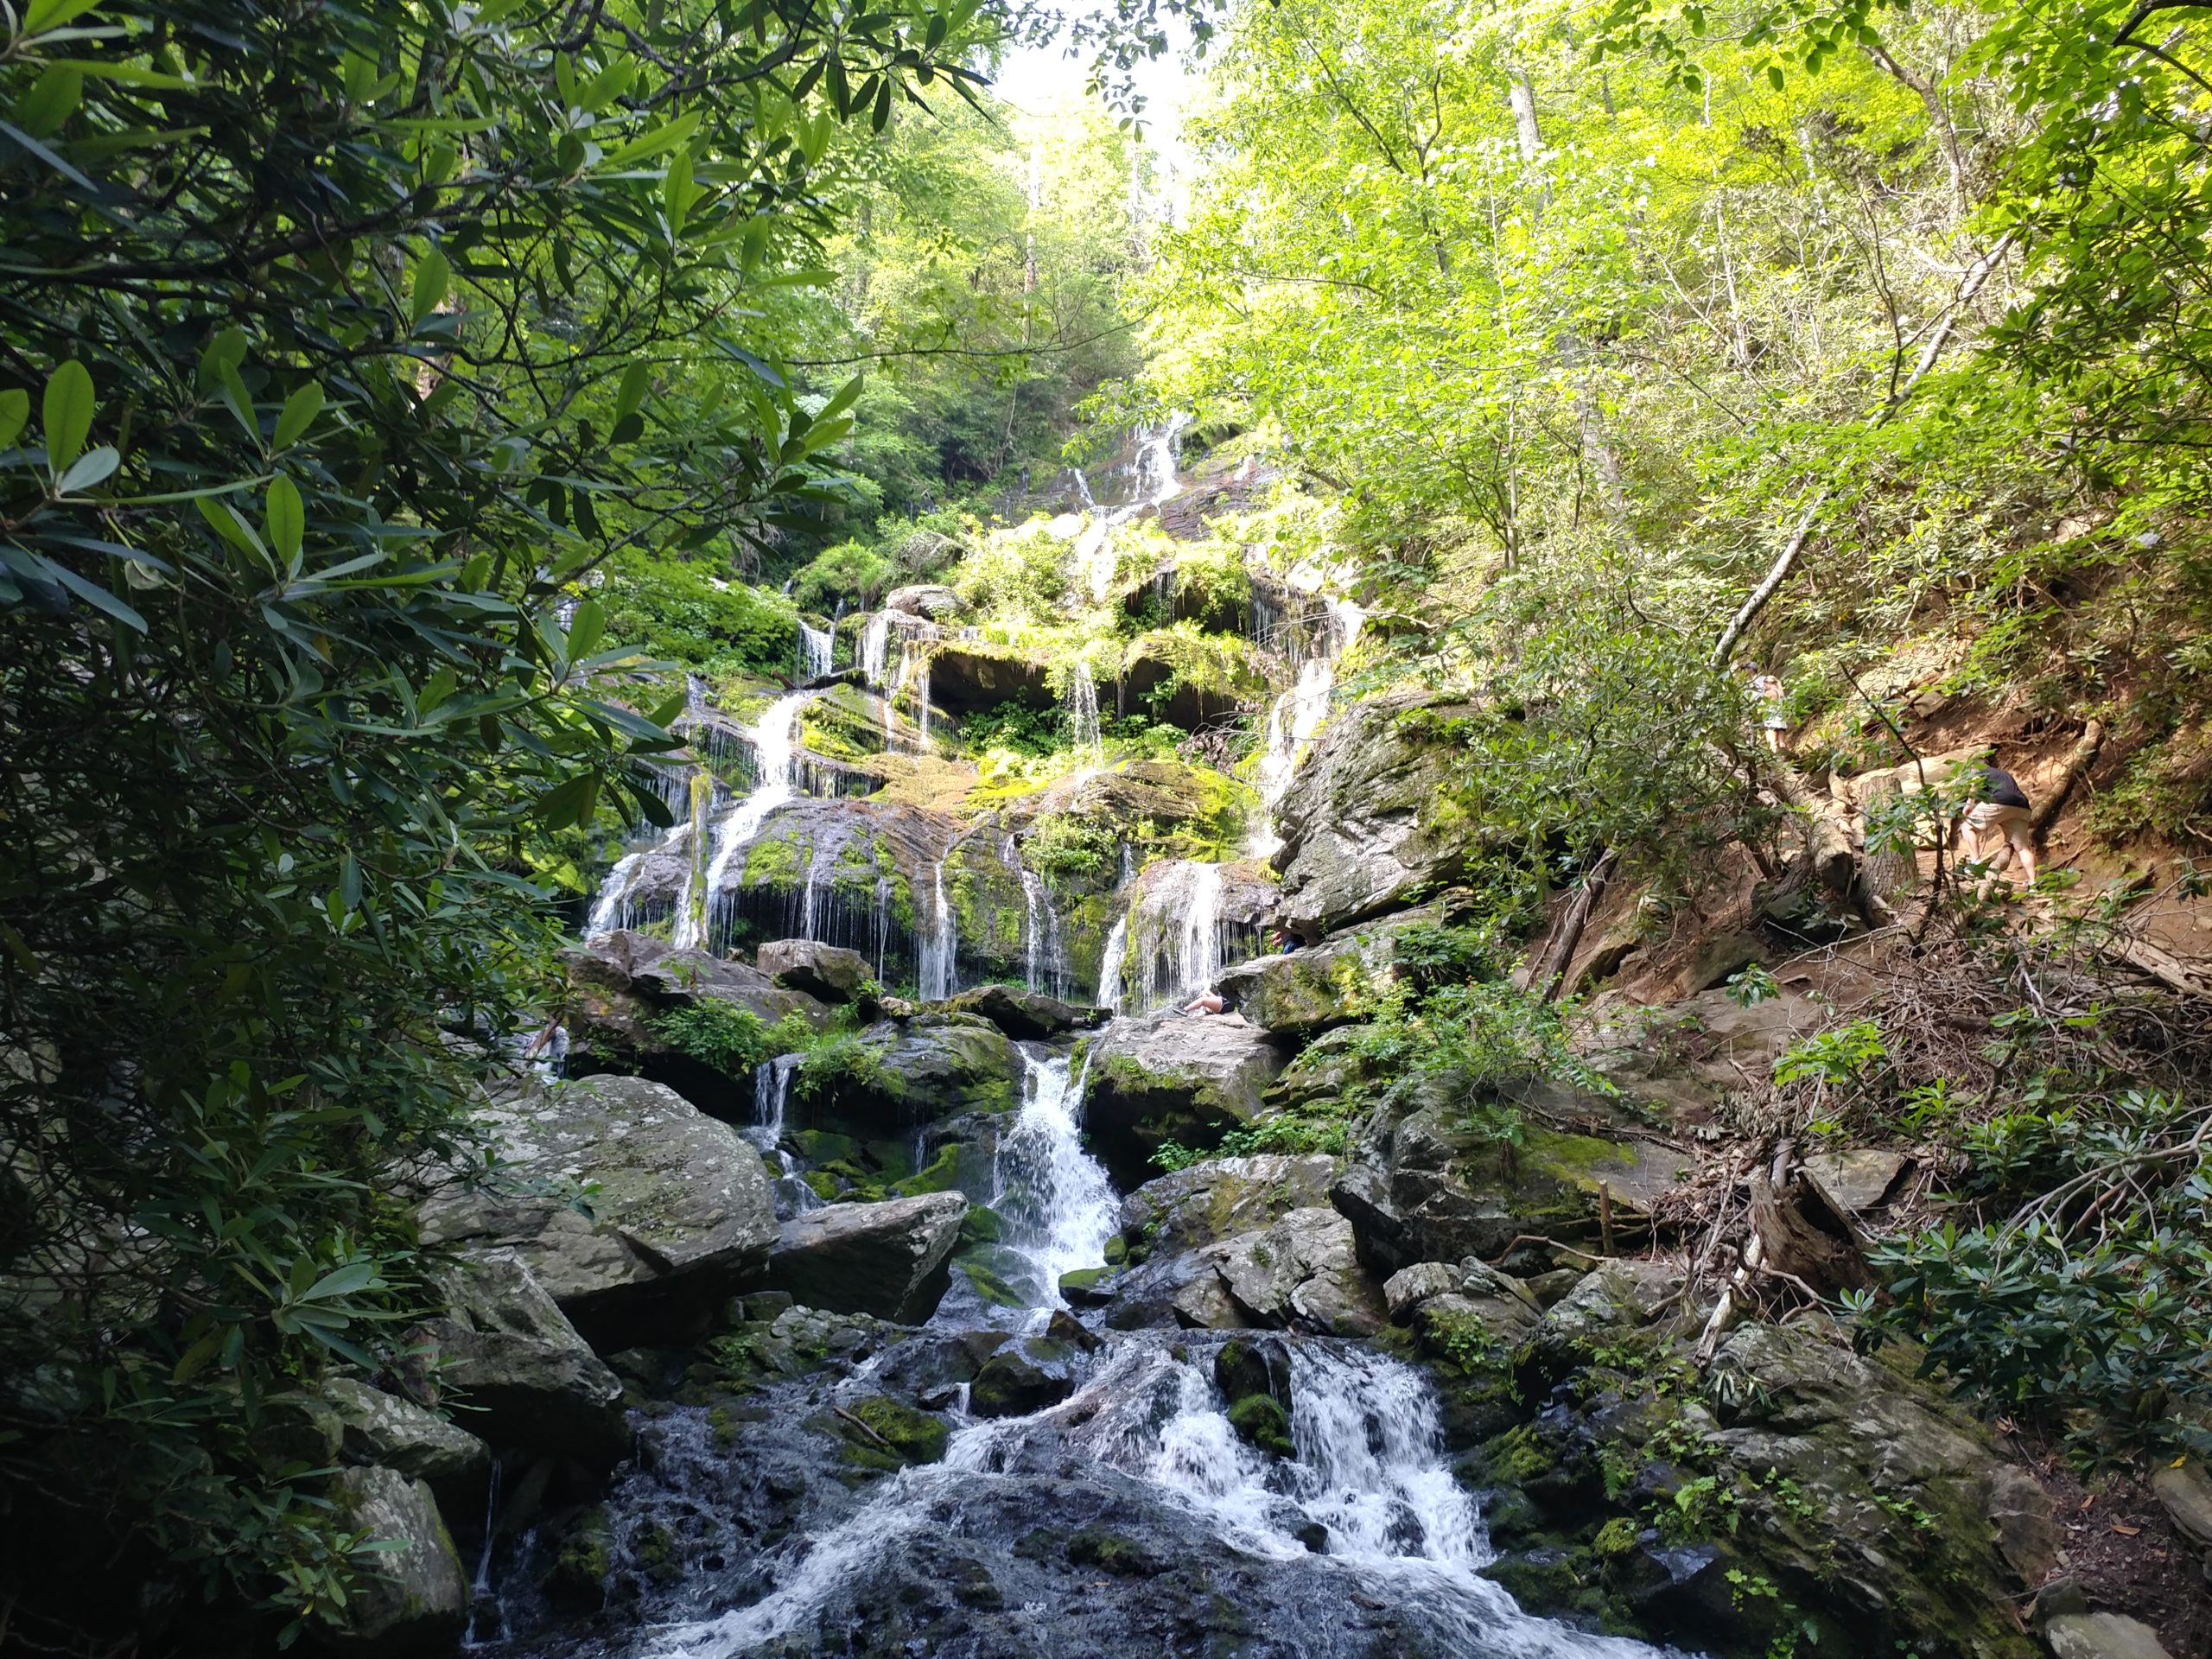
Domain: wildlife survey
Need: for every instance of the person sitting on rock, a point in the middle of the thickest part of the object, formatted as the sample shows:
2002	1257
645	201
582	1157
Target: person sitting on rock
1999	807
1205	1002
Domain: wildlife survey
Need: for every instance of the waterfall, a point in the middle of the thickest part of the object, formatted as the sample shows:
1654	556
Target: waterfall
921	694
817	648
1369	1476
875	643
692	903
1157	483
935	969
607	911
1111	963
1199	960
774	739
1082	696
1296	715
1057	1206
772	1094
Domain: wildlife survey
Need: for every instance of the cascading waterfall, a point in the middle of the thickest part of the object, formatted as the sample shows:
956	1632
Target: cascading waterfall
1297	715
1157	483
772	1094
1111	963
1057	1205
1200	962
938	948
1040	927
774	739
1369	1479
1082	695
818	649
692	903
875	644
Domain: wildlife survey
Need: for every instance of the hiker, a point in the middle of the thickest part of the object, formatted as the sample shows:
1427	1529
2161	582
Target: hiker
1772	695
1998	806
1205	1002
1280	941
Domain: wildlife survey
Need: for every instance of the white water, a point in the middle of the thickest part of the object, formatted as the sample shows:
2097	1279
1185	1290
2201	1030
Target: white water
817	648
1082	712
1200	959
1157	483
772	1094
1297	715
875	644
1058	1207
1370	1470
774	739
937	950
607	909
1111	963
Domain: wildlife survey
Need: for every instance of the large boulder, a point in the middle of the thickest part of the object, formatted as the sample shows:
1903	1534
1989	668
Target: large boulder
1434	1190
827	972
1189	1078
1302	993
397	1435
1169	1224
680	1207
1301	1273
922	1069
414	1599
513	1369
1029	1016
932	599
887	1259
1368	821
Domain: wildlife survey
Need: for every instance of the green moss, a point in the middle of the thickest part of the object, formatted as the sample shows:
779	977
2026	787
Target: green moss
942	1175
772	863
915	1436
1261	1423
1616	1538
1112	1552
981	1225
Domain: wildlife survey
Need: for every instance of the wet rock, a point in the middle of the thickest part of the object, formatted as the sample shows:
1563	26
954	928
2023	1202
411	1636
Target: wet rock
1028	1016
913	1436
1189	1078
508	1361
399	1436
825	971
887	1259
2102	1636
681	1210
415	1599
1368	821
1254	1375
1024	1377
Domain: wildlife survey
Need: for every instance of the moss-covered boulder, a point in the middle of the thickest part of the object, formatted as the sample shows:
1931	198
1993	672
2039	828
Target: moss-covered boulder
899	1074
1024	1377
1372	818
1435	1190
1189	1078
680	1213
915	1436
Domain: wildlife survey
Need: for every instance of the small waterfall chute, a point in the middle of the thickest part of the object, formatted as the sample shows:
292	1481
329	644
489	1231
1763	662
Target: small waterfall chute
775	739
817	649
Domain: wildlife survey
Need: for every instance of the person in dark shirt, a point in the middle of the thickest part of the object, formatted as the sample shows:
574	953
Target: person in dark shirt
1999	809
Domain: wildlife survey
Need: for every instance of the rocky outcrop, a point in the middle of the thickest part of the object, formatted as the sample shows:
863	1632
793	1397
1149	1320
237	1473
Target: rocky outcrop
1177	1231
1186	679
679	1208
1029	1016
397	1435
827	972
508	1362
1189	1078
1867	1513
1368	821
2102	1636
1301	1273
1432	1190
414	1598
1301	994
967	675
932	599
888	1259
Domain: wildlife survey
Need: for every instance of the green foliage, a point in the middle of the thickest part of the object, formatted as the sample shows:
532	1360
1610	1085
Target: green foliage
841	1063
721	628
1461	1042
354	360
1063	846
734	1041
851	573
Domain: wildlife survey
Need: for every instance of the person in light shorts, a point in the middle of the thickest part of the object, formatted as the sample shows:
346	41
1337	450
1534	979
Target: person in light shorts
2001	811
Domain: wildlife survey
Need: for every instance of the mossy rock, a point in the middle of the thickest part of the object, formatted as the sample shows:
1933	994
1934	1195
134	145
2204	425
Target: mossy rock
941	1175
1113	1552
917	1436
1262	1424
576	1581
982	1225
